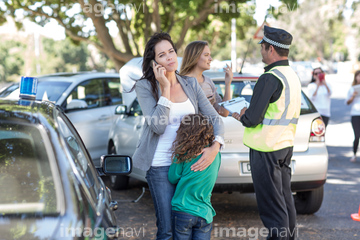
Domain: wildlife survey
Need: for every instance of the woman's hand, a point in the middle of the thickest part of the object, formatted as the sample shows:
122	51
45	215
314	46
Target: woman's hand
160	76
228	74
208	156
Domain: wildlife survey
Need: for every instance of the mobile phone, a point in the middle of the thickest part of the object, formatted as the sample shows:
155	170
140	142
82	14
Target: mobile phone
321	77
152	63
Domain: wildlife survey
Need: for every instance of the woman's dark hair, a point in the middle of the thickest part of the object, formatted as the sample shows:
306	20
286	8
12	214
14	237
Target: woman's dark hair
149	54
312	76
355	75
195	133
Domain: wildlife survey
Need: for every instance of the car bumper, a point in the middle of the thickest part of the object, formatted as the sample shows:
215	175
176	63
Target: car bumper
309	170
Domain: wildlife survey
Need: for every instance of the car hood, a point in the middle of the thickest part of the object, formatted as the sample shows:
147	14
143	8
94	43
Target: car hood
28	228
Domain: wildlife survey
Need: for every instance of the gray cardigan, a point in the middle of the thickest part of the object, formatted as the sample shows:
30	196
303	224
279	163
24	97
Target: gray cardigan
157	116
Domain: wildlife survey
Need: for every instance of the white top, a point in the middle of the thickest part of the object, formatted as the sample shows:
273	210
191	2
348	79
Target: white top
163	154
322	99
355	105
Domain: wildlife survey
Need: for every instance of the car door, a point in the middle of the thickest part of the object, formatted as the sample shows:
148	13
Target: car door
93	192
93	112
130	126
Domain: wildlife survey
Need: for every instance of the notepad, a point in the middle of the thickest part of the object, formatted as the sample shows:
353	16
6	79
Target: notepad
235	104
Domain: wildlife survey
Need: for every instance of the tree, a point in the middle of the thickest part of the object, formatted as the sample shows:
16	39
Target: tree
63	56
136	20
11	59
318	29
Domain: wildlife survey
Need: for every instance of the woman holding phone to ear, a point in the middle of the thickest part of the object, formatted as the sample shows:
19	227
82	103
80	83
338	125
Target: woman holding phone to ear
165	97
197	59
319	91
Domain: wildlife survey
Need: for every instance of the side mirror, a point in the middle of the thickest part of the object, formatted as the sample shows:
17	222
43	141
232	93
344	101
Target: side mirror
121	109
116	164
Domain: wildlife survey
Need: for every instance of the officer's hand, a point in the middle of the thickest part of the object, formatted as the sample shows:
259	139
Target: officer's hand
242	112
236	116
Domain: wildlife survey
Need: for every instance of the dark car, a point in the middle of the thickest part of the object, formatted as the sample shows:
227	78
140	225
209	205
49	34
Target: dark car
49	187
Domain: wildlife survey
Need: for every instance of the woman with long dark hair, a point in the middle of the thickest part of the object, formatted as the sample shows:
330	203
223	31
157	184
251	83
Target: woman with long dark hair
319	91
165	97
353	99
197	59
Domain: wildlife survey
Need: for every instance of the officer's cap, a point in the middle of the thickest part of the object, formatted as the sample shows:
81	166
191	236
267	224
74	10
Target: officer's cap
277	37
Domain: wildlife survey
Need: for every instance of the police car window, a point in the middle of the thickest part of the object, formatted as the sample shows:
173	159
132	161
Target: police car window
26	179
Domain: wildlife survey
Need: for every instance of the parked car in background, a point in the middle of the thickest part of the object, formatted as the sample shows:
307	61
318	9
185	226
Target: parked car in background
49	187
309	162
89	100
304	71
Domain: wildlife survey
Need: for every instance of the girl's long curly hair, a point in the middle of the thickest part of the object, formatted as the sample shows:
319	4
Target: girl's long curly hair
195	133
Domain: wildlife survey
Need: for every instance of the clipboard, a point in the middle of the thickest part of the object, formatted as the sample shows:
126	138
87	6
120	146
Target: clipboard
235	104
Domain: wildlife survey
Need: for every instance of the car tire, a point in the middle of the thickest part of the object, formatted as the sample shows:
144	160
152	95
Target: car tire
309	202
118	182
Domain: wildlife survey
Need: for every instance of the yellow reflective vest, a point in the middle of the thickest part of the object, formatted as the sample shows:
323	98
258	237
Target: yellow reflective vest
277	130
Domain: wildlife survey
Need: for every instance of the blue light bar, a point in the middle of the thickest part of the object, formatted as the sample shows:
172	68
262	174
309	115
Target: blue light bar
28	88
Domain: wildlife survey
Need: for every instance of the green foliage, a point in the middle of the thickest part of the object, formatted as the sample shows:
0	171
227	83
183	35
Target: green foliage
64	56
11	59
318	29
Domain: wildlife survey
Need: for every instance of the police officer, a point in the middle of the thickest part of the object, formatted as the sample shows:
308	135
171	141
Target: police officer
270	124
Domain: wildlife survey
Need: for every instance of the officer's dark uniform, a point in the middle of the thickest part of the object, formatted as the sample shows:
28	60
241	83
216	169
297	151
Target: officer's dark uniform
270	162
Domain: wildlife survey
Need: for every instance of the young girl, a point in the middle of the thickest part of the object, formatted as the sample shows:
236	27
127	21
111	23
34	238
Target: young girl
197	59
192	213
354	100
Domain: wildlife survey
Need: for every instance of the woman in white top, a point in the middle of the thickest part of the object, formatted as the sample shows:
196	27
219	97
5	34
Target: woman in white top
319	92
197	59
353	99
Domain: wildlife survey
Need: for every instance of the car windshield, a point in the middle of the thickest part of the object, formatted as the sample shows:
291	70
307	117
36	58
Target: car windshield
245	89
46	90
26	178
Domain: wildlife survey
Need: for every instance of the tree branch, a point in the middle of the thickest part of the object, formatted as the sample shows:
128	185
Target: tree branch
156	16
67	30
203	14
104	35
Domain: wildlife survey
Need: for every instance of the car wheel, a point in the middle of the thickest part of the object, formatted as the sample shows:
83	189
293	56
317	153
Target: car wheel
118	182
309	202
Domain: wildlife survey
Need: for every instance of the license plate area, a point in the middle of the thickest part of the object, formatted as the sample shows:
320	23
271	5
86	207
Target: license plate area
245	168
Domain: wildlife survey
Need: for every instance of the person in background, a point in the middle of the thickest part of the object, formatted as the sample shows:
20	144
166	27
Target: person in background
270	126
319	91
165	97
197	59
192	213
353	99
